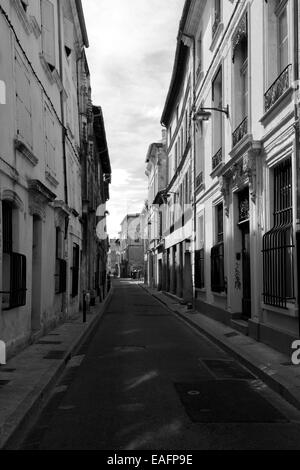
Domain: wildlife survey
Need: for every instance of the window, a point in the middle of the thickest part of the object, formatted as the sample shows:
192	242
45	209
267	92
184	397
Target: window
200	256
278	68
278	243
68	36
216	16
48	33
282	39
217	102
199	55
50	141
240	77
13	265
217	254
23	102
60	264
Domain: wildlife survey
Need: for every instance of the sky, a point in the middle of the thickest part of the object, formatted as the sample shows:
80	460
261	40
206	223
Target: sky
131	56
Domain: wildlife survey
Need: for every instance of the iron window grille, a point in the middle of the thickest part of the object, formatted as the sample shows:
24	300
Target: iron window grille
240	132
244	205
15	263
278	243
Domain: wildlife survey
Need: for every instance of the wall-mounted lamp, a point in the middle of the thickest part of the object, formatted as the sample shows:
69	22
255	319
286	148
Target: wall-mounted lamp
204	114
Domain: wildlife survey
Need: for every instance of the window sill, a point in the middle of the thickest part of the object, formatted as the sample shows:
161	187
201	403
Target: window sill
277	107
222	295
216	35
22	16
25	151
290	311
217	171
51	178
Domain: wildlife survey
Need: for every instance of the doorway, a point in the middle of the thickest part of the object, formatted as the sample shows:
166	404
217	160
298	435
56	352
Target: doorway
246	271
36	274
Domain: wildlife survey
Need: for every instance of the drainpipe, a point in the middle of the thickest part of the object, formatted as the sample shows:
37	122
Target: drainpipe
62	106
297	160
64	303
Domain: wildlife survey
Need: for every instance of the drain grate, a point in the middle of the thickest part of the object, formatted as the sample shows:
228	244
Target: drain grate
55	354
228	369
48	342
227	401
230	335
8	370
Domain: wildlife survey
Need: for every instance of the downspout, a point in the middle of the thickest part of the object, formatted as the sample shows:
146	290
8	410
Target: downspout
297	160
64	303
62	107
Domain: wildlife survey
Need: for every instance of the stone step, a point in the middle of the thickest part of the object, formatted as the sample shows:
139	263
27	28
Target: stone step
240	325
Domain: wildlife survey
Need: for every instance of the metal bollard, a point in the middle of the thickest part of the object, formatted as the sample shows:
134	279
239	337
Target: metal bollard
84	307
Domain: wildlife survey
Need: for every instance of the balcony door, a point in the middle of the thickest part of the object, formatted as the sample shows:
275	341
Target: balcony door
36	274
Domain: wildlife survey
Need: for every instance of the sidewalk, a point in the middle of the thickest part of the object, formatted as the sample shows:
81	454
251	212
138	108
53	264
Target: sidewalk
272	367
27	378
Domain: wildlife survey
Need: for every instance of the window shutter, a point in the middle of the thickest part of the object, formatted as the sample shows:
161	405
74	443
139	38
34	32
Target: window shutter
68	34
48	36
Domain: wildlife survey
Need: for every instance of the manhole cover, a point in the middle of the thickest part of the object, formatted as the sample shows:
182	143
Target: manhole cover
157	315
225	369
58	354
193	392
227	401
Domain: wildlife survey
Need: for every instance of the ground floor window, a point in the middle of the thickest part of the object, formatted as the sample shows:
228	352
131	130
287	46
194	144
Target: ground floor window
75	270
13	264
278	243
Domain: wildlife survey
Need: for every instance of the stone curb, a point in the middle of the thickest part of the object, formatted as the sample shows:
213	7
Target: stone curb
26	411
277	384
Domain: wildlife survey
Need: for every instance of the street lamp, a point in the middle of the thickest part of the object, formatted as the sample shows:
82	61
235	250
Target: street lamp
204	114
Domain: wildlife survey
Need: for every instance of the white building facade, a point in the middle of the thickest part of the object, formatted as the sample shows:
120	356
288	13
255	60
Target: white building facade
40	175
234	83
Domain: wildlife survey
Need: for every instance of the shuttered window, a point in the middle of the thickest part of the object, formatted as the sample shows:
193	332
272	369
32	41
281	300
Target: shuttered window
48	32
23	102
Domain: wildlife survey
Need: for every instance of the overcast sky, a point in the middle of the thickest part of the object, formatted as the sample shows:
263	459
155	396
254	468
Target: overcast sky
131	55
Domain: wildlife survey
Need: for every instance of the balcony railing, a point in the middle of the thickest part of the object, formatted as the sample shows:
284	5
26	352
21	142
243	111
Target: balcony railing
217	159
199	179
276	90
240	132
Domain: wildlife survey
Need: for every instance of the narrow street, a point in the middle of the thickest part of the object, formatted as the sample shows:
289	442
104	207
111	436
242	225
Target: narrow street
148	381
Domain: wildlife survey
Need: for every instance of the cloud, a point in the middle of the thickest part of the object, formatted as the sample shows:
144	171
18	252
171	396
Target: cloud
131	54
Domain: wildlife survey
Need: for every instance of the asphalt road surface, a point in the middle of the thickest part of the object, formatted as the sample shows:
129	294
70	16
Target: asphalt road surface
146	380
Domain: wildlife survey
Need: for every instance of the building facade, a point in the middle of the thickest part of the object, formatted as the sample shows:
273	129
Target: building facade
41	53
156	171
231	116
131	246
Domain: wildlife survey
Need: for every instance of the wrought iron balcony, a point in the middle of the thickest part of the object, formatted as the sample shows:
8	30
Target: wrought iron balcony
276	90
240	132
199	179
217	159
